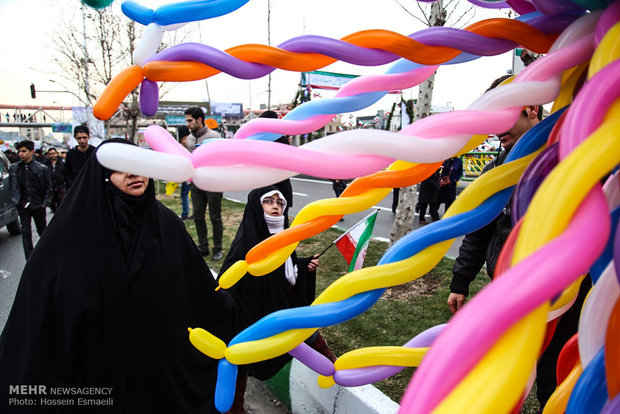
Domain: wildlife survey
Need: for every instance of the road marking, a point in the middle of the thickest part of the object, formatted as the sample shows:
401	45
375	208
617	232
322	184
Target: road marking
312	181
300	194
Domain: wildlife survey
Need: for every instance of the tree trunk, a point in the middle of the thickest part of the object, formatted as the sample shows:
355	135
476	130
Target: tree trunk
408	197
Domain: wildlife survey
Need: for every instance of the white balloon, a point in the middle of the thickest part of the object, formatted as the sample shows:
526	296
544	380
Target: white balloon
238	178
141	161
595	314
147	47
389	144
173	27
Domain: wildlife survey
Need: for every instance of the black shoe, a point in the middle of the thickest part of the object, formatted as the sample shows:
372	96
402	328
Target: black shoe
204	252
217	256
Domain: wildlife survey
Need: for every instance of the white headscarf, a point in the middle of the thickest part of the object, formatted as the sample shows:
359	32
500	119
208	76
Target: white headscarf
276	225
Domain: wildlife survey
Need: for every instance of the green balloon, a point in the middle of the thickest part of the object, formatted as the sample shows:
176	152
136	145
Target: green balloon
98	4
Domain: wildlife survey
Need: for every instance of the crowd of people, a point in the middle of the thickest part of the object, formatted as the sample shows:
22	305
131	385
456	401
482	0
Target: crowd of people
117	314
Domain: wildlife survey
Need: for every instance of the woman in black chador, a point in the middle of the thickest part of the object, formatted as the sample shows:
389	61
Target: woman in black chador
291	285
105	301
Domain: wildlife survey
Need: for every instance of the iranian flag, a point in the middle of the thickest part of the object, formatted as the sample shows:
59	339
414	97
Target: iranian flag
354	243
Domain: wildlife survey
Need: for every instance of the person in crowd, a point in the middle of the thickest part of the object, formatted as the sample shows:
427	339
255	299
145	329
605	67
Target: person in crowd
115	315
395	195
183	134
429	197
63	154
195	120
57	170
76	157
291	285
30	185
484	246
451	173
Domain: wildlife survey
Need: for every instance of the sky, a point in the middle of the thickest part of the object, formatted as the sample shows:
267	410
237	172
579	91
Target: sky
26	27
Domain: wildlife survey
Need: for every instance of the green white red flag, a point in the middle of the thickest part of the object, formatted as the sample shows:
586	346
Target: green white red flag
354	243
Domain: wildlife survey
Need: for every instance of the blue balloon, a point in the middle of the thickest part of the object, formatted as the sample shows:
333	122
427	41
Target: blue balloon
225	387
608	254
590	392
182	12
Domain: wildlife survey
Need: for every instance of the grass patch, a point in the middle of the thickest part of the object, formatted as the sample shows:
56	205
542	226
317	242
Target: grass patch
400	314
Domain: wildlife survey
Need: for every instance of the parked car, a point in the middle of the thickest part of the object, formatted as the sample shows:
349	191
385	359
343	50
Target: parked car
8	211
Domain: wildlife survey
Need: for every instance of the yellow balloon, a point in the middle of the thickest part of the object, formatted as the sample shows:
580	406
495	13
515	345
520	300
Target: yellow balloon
397	356
558	401
325	382
496	383
607	51
233	274
207	343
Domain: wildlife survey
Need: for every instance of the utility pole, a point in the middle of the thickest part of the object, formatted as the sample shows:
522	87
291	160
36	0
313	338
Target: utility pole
269	43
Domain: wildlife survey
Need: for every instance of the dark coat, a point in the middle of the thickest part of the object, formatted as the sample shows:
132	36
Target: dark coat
58	174
482	245
429	189
88	314
42	184
263	295
74	163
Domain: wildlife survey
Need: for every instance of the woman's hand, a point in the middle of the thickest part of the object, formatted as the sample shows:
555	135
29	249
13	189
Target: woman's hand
314	263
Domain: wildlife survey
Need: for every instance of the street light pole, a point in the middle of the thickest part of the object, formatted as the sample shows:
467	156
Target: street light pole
86	83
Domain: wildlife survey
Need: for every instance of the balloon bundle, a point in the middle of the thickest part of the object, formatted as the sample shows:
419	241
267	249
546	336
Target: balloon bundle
566	222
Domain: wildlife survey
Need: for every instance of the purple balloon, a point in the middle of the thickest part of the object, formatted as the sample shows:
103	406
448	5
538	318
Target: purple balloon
617	252
609	18
368	375
531	179
521	6
553	7
149	97
313	359
613	406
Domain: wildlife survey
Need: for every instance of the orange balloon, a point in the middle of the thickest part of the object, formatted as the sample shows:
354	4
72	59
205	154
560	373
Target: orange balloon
164	71
569	355
114	93
303	231
612	352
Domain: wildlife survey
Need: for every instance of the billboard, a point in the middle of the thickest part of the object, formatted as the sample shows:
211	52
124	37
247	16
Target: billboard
225	109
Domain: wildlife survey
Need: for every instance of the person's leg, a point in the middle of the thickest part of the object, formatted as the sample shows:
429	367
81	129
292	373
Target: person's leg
395	194
38	214
422	212
184	200
433	209
451	197
215	214
54	201
24	219
199	205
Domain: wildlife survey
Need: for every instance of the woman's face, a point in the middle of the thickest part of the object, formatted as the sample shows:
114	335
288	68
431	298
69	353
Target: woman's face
273	205
128	183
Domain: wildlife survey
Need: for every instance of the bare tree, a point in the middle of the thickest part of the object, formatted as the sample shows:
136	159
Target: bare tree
435	15
93	48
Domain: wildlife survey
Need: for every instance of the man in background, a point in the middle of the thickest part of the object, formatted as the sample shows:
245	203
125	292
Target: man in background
30	186
56	166
76	157
195	121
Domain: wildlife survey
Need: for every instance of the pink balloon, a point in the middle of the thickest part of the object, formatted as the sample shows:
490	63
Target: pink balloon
160	140
518	291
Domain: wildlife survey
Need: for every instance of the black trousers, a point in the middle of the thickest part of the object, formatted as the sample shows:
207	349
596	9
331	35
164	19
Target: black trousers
200	200
25	216
433	210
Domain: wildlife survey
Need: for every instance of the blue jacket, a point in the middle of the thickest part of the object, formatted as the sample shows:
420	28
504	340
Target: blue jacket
43	184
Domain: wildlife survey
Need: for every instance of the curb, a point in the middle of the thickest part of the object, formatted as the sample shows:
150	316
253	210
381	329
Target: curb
297	385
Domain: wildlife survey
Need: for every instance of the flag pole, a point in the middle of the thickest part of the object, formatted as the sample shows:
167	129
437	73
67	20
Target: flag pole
343	234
